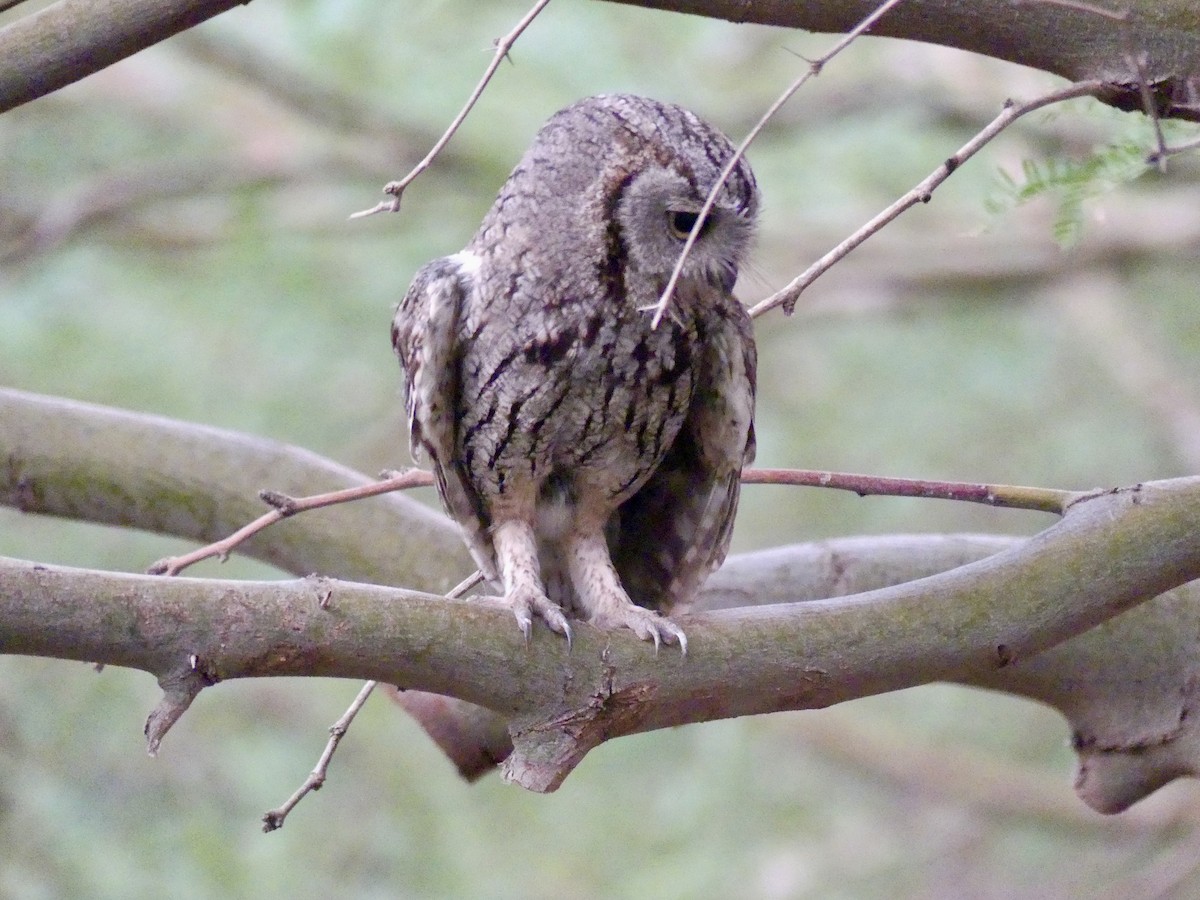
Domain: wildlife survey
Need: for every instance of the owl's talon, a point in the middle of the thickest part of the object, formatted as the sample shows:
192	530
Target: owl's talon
527	604
647	625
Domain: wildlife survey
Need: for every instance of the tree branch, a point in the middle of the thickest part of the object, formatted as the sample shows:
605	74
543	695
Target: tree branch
97	464
71	39
1126	686
1067	40
1110	552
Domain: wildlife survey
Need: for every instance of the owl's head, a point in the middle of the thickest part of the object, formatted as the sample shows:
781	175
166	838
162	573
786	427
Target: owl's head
669	160
623	179
660	206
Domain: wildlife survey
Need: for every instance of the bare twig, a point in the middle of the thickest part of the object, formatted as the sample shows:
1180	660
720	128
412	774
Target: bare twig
1155	158
922	193
274	818
1137	62
316	779
396	188
814	69
1003	495
284	506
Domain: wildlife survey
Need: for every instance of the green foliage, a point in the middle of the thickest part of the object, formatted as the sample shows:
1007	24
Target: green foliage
1073	181
1070	182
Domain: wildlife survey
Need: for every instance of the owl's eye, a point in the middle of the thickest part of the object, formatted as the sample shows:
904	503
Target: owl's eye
680	223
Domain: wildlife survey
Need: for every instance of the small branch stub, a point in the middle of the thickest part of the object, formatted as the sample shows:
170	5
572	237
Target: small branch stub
179	690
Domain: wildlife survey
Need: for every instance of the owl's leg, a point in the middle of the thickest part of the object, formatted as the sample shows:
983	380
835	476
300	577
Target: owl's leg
604	599
515	546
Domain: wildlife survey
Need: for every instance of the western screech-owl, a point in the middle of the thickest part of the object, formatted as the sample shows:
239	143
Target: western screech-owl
588	457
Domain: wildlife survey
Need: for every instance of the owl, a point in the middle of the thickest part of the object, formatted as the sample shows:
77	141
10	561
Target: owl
591	459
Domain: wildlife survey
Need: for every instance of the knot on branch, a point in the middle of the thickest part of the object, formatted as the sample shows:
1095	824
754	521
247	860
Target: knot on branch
280	502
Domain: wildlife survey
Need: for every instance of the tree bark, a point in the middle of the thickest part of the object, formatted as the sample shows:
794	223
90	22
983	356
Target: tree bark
1078	41
71	39
1157	43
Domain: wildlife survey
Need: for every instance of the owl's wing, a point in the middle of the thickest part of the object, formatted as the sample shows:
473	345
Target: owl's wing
675	531
425	337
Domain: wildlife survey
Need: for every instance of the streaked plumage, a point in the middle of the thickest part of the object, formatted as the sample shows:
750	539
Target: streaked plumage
564	431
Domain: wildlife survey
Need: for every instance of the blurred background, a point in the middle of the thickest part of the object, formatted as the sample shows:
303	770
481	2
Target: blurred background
174	239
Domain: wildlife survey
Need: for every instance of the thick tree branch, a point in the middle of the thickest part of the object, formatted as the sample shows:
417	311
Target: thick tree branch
71	39
1065	39
97	464
1126	686
1109	553
74	38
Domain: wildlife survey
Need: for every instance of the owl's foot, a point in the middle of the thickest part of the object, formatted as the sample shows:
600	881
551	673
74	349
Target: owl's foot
601	596
647	625
527	602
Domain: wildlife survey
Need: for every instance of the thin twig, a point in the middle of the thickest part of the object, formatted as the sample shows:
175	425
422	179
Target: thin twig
1004	495
396	188
284	506
1137	62
814	69
1155	158
316	778
1044	499
922	193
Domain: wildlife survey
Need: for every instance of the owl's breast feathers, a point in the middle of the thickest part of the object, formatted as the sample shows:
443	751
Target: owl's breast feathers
586	402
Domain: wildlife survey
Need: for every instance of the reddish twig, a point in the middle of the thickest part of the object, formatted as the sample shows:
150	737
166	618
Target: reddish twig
285	506
1004	495
1044	499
